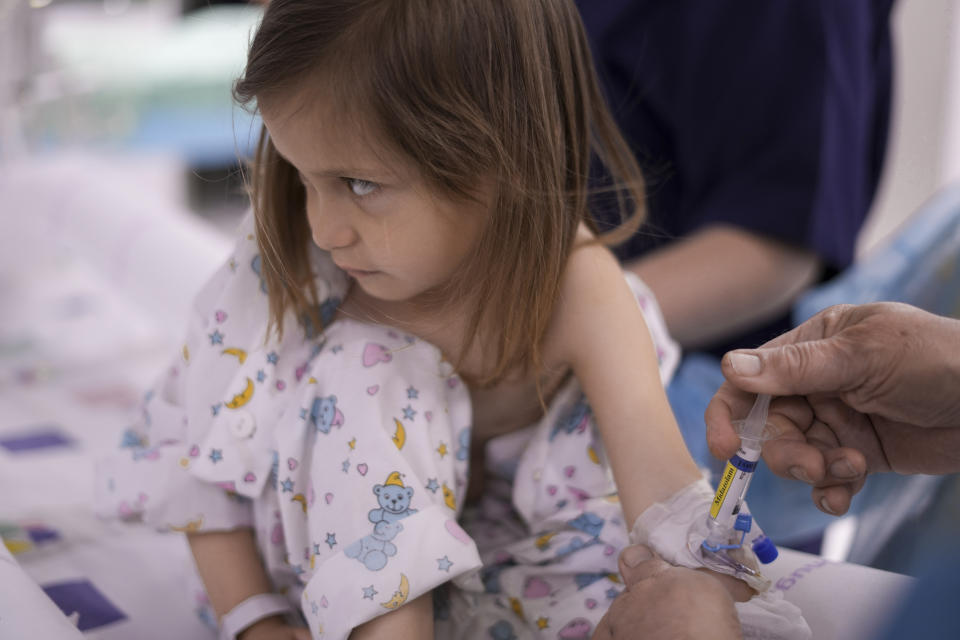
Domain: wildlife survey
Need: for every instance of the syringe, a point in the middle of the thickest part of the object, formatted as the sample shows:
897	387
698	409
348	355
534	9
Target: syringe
723	520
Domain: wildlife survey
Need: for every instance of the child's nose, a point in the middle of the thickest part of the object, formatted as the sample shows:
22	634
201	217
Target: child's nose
330	224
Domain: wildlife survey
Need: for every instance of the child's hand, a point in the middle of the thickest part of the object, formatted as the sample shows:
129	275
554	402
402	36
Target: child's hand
274	628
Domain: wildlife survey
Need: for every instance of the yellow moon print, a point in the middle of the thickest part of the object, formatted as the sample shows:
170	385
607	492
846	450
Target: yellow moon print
243	397
239	353
301	499
400	596
448	497
400	435
592	454
192	526
517	607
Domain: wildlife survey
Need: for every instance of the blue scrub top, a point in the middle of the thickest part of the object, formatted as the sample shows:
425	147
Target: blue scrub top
770	115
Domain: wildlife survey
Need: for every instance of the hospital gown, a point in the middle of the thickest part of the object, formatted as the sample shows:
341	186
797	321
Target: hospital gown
347	450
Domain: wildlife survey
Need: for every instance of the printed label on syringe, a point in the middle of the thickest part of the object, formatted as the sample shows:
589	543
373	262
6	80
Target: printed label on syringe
735	464
722	489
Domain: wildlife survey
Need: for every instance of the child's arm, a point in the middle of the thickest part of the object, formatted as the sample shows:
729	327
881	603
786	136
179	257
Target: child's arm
412	621
230	567
601	332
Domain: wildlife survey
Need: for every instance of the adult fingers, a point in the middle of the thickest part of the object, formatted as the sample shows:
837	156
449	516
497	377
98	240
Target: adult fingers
819	366
637	563
846	472
795	459
843	465
727	404
835	499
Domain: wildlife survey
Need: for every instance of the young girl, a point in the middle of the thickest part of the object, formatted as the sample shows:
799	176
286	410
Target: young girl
418	316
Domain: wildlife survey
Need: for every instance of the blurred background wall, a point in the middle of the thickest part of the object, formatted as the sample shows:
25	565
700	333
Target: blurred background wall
924	150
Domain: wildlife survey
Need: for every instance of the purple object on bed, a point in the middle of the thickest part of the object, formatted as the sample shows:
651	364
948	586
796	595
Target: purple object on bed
82	597
39	437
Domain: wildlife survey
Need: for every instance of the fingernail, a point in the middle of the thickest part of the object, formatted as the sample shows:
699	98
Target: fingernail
634	555
826	506
842	469
800	474
745	364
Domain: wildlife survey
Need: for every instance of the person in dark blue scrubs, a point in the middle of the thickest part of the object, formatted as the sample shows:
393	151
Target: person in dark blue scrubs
761	127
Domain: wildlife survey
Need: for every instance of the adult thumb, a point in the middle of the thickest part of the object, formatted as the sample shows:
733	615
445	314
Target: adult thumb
638	563
801	368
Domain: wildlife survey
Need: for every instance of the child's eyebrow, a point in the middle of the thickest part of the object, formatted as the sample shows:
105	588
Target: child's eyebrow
336	172
373	174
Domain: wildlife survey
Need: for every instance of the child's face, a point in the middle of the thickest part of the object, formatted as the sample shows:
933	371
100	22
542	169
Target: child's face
373	213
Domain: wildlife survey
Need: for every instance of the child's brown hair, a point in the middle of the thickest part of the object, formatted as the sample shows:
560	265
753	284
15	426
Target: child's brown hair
499	91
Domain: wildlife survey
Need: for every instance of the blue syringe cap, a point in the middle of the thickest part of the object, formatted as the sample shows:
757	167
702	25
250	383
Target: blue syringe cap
743	523
765	549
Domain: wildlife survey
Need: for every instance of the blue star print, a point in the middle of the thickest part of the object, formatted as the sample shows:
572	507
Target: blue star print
412	393
612	593
215	408
444	564
287	485
408	413
216	455
261	376
369	592
432	485
316	548
331	539
314	609
272	357
216	337
346	466
303	414
337	348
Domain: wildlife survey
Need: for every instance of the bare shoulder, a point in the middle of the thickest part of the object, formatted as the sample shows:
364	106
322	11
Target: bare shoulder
595	299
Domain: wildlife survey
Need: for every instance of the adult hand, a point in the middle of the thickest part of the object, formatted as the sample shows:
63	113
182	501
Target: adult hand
663	601
862	389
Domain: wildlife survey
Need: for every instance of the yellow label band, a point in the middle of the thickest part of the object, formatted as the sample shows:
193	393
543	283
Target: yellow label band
725	481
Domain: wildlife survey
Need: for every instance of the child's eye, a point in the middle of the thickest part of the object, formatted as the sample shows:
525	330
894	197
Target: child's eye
361	187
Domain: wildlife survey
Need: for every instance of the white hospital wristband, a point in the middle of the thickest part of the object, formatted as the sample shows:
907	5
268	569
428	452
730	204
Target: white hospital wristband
253	609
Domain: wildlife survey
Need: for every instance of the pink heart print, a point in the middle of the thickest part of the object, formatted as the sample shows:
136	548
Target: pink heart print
568	471
291	464
328	498
220	316
536	588
375	353
362	468
194	451
249	477
457	531
372	391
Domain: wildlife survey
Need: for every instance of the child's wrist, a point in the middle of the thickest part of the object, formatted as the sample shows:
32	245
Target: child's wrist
263	607
261	628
